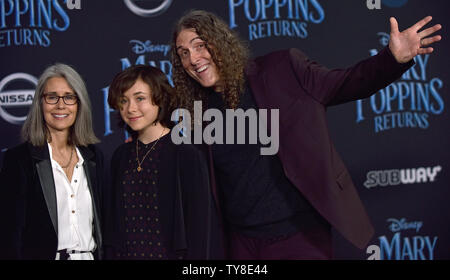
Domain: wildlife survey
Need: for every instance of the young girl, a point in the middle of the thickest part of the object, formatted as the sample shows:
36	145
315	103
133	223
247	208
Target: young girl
161	206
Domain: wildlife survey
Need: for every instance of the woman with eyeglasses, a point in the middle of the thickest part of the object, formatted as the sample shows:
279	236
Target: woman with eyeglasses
51	184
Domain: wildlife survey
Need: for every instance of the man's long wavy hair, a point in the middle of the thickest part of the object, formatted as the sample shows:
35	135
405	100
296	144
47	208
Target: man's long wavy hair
228	52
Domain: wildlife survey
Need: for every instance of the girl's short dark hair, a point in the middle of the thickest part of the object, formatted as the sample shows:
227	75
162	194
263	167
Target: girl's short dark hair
162	93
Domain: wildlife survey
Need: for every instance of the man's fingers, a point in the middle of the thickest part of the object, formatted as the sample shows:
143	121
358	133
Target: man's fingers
421	23
394	25
431	40
425	50
429	31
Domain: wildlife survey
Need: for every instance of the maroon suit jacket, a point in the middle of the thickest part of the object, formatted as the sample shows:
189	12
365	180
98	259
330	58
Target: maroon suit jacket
302	89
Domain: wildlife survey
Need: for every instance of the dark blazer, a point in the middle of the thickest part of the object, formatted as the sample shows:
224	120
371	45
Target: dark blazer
302	89
189	219
28	202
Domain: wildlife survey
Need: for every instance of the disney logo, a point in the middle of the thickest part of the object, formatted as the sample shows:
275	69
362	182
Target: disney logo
147	47
384	38
398	225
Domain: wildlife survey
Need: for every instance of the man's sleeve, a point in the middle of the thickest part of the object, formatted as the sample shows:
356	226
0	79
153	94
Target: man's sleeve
335	86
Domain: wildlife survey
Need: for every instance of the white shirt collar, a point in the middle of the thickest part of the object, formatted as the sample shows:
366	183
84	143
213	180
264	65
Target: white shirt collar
54	162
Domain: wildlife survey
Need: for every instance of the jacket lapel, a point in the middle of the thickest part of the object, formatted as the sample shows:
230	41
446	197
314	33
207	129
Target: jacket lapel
90	169
257	82
45	174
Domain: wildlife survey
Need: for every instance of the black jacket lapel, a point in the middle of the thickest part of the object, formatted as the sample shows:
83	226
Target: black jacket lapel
90	169
45	174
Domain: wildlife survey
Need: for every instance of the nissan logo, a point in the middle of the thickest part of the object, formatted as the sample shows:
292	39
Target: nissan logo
16	97
148	12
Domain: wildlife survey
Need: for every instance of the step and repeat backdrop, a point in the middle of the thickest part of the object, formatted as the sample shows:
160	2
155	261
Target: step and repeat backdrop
395	144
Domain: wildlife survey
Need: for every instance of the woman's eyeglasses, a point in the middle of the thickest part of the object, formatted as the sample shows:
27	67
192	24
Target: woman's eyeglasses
54	99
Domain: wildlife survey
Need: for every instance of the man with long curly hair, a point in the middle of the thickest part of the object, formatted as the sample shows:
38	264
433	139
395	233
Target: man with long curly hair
283	206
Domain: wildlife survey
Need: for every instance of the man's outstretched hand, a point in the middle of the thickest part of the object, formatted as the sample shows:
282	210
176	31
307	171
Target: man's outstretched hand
407	44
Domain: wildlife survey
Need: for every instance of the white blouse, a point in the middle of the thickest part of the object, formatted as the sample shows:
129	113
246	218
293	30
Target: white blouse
75	210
